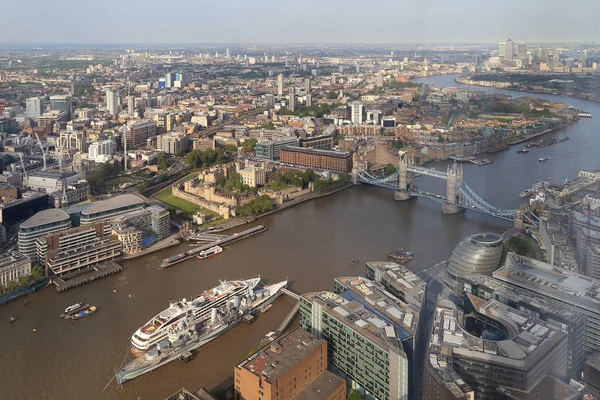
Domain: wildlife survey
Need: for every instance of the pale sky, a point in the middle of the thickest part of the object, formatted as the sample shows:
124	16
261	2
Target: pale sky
298	21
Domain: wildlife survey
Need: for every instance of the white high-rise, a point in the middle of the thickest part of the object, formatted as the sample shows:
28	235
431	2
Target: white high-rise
34	107
102	151
112	102
280	85
357	110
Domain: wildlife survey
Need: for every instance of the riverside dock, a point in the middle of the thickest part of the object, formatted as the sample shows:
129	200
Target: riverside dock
98	272
219	241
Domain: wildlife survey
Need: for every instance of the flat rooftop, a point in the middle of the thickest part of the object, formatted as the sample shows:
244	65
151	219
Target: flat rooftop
404	317
310	150
527	335
45	217
321	387
558	283
11	257
114	203
401	278
378	329
281	355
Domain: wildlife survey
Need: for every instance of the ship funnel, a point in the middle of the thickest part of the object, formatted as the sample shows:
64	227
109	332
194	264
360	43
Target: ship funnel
213	316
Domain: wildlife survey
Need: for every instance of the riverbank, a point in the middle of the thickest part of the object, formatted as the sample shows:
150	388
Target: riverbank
464	80
228	225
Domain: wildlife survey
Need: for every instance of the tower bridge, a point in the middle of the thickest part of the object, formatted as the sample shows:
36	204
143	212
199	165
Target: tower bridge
459	195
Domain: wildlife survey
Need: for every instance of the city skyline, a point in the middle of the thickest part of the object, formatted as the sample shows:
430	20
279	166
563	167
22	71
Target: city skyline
266	21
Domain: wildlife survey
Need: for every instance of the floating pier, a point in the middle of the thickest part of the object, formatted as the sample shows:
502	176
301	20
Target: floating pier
176	259
71	281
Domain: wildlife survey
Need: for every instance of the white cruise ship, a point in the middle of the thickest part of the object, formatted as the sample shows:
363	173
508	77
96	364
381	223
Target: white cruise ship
201	306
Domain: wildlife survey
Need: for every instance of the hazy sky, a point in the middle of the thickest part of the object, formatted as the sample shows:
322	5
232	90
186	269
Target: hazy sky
298	21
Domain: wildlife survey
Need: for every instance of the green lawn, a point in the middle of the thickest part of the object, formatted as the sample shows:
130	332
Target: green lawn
187	177
275	187
122	179
166	196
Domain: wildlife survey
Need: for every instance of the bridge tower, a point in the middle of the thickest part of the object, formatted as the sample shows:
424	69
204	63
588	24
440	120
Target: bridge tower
404	179
453	194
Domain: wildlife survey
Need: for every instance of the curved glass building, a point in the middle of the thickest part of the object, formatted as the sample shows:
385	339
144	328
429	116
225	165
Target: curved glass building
478	254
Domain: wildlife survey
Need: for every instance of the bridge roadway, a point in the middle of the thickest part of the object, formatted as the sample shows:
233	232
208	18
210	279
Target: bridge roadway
427	171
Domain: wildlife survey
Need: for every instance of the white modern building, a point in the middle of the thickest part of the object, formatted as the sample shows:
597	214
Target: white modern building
34	107
42	223
102	151
108	209
357	111
112	102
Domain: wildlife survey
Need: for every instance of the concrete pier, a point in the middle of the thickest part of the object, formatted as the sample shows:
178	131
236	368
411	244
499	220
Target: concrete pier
401	195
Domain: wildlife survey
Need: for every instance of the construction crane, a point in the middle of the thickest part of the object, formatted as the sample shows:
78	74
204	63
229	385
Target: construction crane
23	165
43	152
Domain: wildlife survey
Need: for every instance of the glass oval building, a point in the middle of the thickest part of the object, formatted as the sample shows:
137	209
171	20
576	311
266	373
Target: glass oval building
478	254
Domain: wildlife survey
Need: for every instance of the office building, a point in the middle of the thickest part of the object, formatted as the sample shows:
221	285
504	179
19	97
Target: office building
102	151
292	366
108	209
522	52
77	249
170	79
112	102
399	281
280	85
172	143
321	142
75	193
509	50
131	105
271	149
292	99
563	317
491	345
61	103
252	176
34	107
440	381
50	181
478	254
363	347
404	317
335	161
357	110
591	372
308	100
137	133
13	265
577	291
153	222
307	85
17	210
42	223
584	232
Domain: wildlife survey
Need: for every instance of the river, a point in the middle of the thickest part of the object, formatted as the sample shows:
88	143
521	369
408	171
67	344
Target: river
309	244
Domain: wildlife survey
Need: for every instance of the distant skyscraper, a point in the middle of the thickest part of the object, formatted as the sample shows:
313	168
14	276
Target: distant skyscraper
509	50
34	107
227	54
112	102
379	80
522	51
583	59
309	100
307	85
357	110
501	49
292	98
280	85
130	105
170	79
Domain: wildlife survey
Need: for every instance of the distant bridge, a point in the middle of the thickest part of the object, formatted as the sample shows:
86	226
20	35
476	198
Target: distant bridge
459	194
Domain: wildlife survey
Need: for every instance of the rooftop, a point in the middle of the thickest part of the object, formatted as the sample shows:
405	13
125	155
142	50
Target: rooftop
11	257
352	313
310	150
282	355
557	283
44	217
527	336
401	278
548	388
321	387
113	203
404	317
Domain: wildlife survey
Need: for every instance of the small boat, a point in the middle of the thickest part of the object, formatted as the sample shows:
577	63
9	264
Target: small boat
83	313
12	319
73	308
354	261
213	251
523	150
25	302
266	308
402	256
543	159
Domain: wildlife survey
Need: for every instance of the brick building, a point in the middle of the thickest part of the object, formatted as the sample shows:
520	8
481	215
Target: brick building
293	366
317	159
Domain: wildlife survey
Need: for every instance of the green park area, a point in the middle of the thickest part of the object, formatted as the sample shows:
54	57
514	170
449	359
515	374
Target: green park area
121	180
166	196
